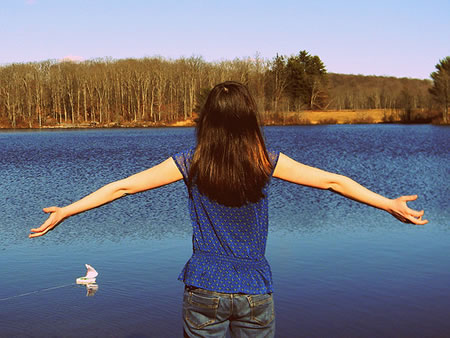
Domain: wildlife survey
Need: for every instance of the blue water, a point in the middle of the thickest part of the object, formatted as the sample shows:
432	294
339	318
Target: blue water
340	268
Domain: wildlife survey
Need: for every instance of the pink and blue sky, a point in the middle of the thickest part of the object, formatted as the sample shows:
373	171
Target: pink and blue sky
395	38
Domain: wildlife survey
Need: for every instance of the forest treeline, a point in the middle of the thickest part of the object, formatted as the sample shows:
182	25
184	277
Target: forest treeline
158	90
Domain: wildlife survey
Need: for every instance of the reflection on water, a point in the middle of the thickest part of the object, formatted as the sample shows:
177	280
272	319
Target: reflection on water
344	268
91	289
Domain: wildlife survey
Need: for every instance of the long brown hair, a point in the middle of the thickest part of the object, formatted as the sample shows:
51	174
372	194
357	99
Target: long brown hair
230	163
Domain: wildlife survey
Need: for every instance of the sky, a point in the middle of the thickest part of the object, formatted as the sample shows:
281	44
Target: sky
390	38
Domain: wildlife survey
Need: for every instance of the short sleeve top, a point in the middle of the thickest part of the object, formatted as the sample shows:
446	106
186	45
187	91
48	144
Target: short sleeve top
229	243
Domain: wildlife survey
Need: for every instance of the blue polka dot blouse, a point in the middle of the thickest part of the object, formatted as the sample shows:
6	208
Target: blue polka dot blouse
229	243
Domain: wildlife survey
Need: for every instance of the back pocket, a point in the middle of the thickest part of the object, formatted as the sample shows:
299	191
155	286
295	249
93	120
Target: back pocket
200	310
262	308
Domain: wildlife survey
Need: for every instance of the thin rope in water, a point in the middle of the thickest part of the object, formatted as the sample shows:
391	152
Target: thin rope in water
37	291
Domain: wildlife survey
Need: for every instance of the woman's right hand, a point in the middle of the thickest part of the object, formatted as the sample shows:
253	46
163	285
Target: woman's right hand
57	215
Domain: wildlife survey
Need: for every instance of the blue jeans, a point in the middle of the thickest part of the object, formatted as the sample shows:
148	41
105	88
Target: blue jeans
209	314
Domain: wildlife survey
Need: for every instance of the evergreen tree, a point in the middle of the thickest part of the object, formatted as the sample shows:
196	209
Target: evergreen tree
307	80
441	86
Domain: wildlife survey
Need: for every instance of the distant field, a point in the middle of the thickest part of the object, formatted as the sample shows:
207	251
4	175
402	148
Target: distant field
333	117
345	116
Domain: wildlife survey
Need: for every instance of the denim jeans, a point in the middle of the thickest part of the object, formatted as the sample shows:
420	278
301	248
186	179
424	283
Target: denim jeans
210	314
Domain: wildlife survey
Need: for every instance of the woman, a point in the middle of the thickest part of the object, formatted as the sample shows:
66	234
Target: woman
228	282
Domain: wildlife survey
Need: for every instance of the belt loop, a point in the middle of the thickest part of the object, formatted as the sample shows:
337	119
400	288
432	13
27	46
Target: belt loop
232	301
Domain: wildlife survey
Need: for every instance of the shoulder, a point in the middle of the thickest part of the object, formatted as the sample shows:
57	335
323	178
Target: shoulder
184	155
274	155
183	160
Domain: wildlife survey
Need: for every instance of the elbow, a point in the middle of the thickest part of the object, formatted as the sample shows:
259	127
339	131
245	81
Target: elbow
338	183
122	193
333	187
120	190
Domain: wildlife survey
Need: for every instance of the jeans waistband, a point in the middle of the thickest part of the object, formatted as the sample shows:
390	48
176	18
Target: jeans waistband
213	293
209	292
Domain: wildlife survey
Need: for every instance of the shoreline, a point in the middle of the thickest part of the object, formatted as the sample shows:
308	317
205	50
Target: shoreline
75	127
374	116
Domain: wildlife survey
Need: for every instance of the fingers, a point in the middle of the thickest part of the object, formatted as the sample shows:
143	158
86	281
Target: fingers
48	225
416	213
405	218
408	198
50	209
42	233
44	226
415	217
418	221
41	230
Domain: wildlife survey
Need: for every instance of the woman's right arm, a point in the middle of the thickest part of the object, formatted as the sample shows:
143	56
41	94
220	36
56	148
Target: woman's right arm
157	176
290	170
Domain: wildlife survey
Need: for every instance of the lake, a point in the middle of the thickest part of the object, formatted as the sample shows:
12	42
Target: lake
340	268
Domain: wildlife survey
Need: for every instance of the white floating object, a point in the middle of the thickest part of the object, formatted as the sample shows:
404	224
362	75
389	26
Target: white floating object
90	276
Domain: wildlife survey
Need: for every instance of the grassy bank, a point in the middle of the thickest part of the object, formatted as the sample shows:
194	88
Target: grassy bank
327	117
369	116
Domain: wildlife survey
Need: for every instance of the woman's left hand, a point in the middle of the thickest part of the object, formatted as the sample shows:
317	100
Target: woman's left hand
400	210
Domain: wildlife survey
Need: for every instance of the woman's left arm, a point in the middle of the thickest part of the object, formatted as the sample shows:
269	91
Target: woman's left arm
295	172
